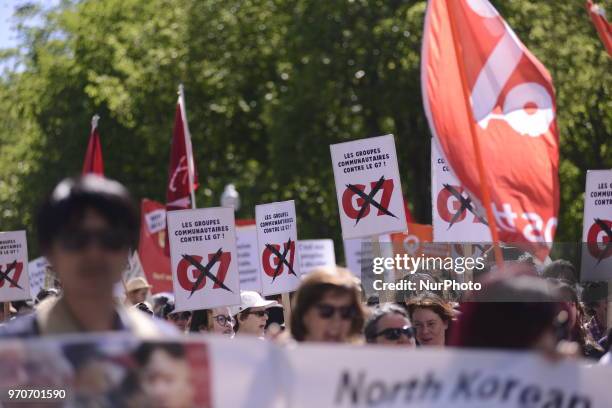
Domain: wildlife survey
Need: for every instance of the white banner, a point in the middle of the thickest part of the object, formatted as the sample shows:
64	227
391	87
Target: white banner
38	273
368	187
248	261
597	227
455	216
14	275
156	220
278	252
203	258
316	253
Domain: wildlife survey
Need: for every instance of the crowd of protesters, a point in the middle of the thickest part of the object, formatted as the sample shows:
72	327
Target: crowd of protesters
87	226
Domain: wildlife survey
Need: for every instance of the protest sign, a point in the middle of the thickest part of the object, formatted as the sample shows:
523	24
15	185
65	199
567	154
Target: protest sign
597	227
277	242
316	253
248	259
417	240
359	256
456	218
203	258
152	251
14	277
368	187
38	274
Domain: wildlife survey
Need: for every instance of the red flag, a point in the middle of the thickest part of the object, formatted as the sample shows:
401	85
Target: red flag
471	57
151	247
93	157
598	16
182	177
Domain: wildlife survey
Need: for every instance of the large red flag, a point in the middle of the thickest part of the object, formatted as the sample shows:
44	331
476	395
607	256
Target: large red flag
598	16
93	157
151	246
469	48
182	177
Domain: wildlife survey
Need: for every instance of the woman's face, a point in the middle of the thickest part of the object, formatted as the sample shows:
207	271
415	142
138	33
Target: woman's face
222	321
330	319
430	328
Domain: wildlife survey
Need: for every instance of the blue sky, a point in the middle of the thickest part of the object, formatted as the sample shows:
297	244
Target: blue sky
7	35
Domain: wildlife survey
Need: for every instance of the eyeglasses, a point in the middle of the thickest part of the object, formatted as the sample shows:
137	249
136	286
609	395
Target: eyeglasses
179	316
224	320
394	333
108	239
326	311
258	313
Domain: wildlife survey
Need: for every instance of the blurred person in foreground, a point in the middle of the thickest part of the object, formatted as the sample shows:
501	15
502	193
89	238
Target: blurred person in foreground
252	314
432	317
85	229
327	307
388	324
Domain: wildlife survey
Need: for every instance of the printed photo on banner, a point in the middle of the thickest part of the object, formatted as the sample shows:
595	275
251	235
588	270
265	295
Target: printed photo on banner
597	227
316	253
248	259
278	251
368	187
14	274
203	257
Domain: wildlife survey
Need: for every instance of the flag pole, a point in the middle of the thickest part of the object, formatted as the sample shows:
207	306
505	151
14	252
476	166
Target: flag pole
188	148
94	122
484	183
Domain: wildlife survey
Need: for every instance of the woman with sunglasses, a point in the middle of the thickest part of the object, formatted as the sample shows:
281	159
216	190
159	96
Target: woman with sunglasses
222	321
388	324
432	317
327	307
252	314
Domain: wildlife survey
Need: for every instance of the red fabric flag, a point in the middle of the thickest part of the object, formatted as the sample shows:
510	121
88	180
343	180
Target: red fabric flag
598	16
151	247
182	177
93	157
511	96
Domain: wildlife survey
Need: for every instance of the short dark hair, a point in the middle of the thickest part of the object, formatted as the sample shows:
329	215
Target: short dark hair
143	353
68	202
371	326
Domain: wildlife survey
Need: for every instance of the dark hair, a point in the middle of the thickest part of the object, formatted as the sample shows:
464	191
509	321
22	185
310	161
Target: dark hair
314	287
198	318
143	307
559	269
144	352
45	293
67	204
167	309
371	326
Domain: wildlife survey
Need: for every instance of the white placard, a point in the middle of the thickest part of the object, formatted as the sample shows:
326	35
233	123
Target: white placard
14	275
279	264
37	269
362	167
203	258
156	220
359	255
597	227
248	259
316	253
456	218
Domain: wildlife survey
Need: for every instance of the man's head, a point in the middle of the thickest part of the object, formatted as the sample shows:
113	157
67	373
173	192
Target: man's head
85	229
137	290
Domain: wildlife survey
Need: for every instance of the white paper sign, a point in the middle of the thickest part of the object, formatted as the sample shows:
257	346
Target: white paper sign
203	258
14	275
156	220
359	255
368	187
597	227
455	216
38	273
316	253
248	259
278	253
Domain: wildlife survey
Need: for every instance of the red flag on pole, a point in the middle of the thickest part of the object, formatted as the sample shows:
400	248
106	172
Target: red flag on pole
182	177
93	157
598	17
490	104
151	246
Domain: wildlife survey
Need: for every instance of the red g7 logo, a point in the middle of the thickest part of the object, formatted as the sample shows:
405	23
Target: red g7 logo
280	261
460	204
187	281
16	268
356	203
599	239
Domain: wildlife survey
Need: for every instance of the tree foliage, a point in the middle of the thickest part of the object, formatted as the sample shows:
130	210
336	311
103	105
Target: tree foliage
269	85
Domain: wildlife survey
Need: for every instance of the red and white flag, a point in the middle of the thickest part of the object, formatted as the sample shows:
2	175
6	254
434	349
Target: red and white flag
93	157
598	16
152	246
513	113
182	176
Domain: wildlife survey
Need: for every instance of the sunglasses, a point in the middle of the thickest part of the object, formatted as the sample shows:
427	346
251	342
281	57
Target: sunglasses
224	320
258	313
108	239
179	316
395	333
327	311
